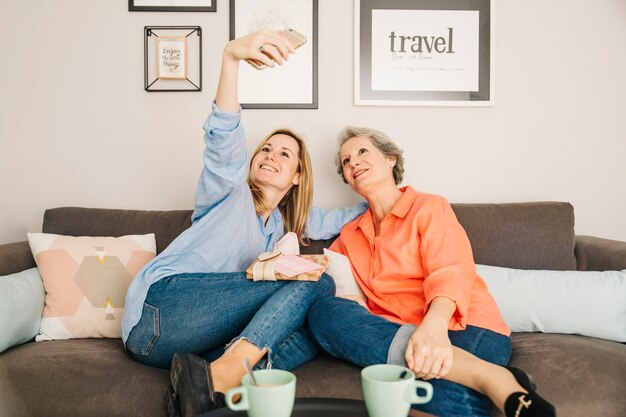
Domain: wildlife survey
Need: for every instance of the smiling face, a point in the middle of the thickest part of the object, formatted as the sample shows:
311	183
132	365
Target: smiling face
364	166
276	163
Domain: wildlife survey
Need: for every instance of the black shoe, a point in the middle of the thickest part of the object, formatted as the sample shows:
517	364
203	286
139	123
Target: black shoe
520	404
172	404
191	392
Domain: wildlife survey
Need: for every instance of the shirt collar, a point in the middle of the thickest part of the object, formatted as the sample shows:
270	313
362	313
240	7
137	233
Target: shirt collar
273	221
400	210
405	202
365	223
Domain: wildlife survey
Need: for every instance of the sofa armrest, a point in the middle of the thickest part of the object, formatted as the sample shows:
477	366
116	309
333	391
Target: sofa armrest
15	257
598	254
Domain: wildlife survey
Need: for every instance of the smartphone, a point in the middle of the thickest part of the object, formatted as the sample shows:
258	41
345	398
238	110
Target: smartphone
294	37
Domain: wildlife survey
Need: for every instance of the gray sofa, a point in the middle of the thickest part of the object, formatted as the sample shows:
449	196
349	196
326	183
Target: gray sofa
582	376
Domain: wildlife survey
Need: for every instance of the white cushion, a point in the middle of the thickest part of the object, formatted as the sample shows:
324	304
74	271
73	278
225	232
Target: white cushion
589	303
339	268
20	307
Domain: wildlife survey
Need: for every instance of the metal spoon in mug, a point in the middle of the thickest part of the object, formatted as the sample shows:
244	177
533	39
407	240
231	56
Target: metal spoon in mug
246	364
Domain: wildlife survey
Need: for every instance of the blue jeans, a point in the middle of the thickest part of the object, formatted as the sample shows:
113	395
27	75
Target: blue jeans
202	312
350	332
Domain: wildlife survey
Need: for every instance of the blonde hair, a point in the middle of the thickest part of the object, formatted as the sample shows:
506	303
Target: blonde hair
380	140
297	202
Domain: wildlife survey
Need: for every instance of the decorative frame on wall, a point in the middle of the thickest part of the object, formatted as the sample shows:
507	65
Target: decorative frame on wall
172	58
172	5
424	52
294	84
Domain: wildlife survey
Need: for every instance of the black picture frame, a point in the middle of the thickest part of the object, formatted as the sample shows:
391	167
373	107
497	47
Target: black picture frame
300	81
193	77
132	7
364	62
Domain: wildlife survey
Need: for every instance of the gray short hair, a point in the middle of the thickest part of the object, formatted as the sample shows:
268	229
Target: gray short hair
379	139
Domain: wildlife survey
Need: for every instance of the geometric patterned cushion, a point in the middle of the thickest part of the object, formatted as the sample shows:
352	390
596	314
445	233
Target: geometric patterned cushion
86	279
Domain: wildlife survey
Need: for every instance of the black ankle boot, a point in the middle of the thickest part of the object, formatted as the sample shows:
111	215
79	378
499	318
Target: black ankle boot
172	403
191	392
520	404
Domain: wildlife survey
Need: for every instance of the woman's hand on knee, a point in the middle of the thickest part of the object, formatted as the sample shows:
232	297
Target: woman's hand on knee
429	352
265	46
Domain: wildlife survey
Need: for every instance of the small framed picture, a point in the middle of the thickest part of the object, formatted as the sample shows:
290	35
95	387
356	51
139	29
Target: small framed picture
172	5
172	57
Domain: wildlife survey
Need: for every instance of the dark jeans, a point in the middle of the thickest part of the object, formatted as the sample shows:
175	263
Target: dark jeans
350	332
201	313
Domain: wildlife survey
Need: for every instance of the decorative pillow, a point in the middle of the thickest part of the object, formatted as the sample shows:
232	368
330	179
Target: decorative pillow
20	308
339	268
572	302
86	279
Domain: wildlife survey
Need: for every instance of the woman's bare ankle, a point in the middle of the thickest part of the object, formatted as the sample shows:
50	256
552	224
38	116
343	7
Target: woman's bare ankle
225	376
228	369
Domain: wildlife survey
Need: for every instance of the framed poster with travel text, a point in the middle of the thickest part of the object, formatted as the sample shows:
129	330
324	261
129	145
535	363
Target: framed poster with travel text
424	52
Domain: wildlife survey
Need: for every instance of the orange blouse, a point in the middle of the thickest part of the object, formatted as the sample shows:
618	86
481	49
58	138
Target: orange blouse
422	252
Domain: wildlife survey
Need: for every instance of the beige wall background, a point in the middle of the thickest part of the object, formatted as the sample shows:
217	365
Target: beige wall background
77	128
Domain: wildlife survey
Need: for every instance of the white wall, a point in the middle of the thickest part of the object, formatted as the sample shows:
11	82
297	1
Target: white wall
76	127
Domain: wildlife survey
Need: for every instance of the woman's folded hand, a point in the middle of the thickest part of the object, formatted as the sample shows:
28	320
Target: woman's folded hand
429	351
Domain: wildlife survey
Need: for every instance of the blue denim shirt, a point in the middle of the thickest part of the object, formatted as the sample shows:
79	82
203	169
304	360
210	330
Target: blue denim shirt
226	234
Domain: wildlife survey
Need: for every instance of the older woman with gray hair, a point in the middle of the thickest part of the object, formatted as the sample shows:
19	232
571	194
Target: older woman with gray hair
423	305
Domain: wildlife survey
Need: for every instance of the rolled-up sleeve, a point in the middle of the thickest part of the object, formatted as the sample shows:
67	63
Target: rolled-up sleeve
447	258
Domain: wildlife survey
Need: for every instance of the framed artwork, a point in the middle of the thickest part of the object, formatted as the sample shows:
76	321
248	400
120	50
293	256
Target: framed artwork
172	5
424	52
289	86
172	58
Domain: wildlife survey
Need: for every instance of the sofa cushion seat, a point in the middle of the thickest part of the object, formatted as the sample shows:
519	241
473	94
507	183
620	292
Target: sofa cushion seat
578	373
64	373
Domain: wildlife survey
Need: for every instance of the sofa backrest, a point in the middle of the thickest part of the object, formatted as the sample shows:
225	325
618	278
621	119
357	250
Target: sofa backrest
538	235
514	235
79	221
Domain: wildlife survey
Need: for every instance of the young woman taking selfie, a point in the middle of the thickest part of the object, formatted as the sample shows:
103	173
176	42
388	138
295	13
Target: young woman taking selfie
192	307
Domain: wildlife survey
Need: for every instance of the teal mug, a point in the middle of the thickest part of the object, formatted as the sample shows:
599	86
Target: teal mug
389	390
273	396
